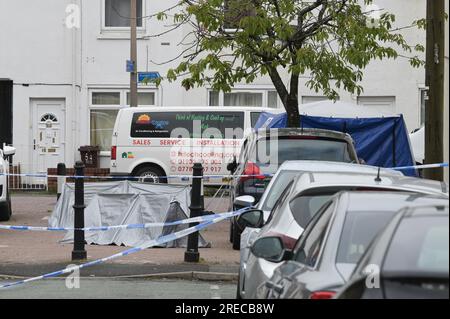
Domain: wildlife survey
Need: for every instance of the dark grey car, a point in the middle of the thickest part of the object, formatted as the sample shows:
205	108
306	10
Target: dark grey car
408	260
332	244
264	151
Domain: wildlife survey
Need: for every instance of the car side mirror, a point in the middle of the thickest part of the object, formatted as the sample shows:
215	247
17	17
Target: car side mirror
232	166
244	201
271	249
9	151
252	218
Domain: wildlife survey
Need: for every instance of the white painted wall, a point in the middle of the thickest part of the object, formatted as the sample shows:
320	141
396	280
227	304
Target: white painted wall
36	47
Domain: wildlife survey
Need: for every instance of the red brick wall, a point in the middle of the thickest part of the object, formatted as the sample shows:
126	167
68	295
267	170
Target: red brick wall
52	181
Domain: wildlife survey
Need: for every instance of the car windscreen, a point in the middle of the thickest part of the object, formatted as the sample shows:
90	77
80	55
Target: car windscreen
277	188
277	151
420	246
360	228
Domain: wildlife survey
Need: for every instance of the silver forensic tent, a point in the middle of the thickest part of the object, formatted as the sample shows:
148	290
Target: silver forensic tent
123	203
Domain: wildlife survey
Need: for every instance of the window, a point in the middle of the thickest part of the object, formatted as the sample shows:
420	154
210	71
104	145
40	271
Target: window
235	11
423	101
117	13
311	241
243	99
251	98
106	98
102	125
312	99
378	103
360	228
144	99
104	106
427	250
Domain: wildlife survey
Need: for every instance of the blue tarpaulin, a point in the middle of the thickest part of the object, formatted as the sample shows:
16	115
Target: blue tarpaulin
380	141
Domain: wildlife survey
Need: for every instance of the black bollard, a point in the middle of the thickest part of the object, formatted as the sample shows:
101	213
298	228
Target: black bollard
61	171
79	253
196	209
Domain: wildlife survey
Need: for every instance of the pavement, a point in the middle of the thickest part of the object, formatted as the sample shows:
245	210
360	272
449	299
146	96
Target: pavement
29	254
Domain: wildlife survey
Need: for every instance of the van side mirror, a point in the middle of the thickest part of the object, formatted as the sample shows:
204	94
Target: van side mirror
252	218
271	249
232	166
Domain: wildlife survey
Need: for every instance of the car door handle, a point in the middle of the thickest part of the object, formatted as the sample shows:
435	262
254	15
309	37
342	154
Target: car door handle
277	288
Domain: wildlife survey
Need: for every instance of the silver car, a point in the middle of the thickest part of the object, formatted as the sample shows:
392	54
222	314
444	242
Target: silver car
298	204
286	174
333	242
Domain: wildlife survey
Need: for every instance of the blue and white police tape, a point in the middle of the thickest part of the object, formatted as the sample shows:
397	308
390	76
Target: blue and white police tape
126	227
138	178
187	177
426	166
156	242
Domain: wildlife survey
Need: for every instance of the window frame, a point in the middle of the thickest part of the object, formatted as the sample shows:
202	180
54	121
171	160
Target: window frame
122	32
123	104
264	91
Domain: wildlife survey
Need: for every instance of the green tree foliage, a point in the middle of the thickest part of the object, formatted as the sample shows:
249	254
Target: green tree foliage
331	42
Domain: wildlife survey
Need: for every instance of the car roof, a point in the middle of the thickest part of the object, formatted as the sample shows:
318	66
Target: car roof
324	166
369	179
358	201
284	132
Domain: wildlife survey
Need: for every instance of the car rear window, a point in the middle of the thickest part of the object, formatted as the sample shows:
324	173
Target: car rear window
360	228
420	245
161	125
277	151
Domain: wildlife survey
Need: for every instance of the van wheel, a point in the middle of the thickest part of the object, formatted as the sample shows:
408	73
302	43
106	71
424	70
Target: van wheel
5	210
152	175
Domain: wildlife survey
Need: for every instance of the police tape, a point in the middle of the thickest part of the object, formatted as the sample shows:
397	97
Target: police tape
156	242
426	166
187	177
126	227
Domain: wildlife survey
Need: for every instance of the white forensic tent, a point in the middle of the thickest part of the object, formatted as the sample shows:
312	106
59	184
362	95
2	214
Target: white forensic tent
124	203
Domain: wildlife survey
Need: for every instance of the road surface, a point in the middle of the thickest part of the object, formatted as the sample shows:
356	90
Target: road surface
121	289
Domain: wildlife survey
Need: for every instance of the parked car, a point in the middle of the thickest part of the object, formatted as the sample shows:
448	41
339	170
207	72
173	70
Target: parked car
409	259
327	252
5	200
299	203
287	172
264	151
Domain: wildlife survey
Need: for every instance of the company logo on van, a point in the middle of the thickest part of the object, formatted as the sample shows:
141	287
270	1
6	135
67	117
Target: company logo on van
144	119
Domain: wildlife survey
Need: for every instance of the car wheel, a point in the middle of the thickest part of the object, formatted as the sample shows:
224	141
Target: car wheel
236	238
152	175
5	210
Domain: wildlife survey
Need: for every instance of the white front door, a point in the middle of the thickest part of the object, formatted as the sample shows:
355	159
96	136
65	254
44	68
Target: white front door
48	133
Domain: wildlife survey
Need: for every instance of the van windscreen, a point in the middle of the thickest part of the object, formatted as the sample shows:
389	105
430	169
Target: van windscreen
229	125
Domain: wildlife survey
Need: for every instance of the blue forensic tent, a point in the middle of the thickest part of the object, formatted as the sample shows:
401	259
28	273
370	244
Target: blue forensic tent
381	139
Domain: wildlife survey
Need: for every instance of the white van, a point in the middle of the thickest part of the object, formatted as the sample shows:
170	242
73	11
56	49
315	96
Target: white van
155	142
